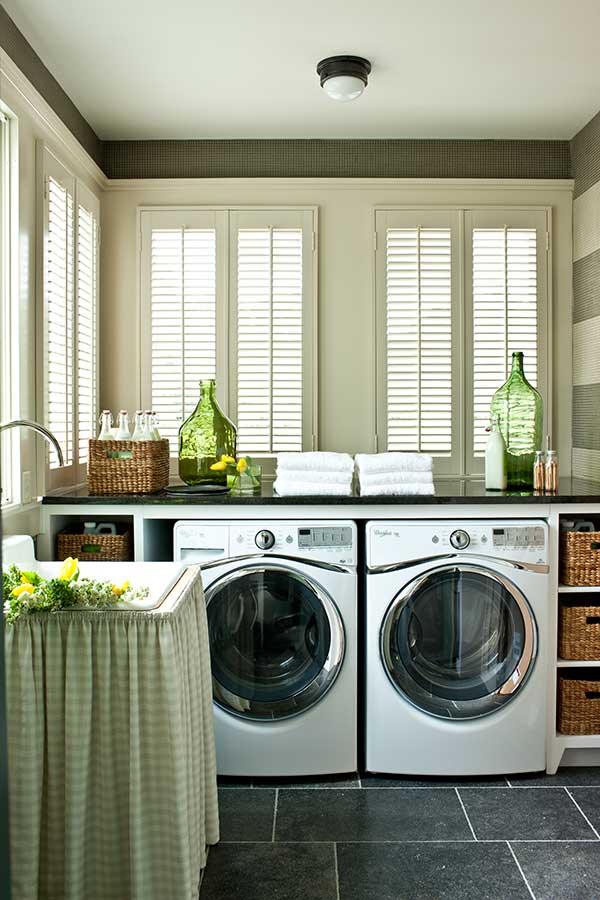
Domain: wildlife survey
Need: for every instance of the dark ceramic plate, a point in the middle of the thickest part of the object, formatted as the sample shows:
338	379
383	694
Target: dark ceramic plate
186	489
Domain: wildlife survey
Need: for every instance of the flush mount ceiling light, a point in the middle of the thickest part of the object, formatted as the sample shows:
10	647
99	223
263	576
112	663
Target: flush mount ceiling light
344	78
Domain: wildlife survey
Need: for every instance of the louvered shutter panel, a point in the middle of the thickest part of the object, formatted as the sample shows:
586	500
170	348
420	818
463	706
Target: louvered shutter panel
505	314
419	340
269	339
183	321
59	313
86	319
8	351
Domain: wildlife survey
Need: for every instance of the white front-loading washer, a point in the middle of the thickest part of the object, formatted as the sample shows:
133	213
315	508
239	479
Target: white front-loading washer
281	600
456	638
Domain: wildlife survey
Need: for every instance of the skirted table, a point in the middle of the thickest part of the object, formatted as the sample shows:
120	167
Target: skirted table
111	752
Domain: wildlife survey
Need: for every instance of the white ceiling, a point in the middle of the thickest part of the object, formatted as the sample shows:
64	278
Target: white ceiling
246	68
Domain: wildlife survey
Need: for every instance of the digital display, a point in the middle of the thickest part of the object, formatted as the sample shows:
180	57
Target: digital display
329	536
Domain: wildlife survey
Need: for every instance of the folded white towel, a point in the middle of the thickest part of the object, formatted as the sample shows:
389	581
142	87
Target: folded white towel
369	463
395	478
314	476
291	488
315	461
397	490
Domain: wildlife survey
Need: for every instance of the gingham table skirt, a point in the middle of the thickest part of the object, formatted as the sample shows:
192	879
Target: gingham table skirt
111	753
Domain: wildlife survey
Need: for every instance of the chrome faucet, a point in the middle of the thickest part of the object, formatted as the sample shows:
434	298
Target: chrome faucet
35	426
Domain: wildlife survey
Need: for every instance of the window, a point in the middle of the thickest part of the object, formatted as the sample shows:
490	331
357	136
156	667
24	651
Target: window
9	382
457	292
229	294
70	289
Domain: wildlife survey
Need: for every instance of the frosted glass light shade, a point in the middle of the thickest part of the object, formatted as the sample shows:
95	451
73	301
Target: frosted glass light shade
344	87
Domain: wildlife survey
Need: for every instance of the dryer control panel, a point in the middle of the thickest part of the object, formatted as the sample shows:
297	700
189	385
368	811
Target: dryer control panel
398	542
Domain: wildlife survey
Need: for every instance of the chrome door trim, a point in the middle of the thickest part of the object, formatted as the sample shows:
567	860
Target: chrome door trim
317	564
520	673
298	703
537	568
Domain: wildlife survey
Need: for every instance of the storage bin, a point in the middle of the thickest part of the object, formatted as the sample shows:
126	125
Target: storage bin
580	558
100	547
579	629
128	467
579	702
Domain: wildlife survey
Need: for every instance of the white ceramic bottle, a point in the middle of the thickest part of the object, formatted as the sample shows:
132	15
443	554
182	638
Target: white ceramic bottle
138	431
123	432
106	426
495	460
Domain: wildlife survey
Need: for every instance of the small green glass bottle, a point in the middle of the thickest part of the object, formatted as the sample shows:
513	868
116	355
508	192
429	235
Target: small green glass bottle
519	412
205	437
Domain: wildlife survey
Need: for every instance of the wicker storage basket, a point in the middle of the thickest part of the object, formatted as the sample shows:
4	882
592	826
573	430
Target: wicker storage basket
128	467
579	704
103	547
580	558
579	631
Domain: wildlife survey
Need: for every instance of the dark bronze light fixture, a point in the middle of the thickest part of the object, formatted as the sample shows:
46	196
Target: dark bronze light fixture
344	78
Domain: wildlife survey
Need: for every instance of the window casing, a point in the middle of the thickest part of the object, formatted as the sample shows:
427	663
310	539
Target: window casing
71	215
458	290
9	330
230	294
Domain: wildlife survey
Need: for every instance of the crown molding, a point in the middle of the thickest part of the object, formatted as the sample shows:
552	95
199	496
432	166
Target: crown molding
50	121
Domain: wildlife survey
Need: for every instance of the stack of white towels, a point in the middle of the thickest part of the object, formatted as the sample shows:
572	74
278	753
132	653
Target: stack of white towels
394	474
314	473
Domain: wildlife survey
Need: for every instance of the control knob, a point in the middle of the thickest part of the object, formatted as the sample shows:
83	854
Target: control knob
264	540
459	539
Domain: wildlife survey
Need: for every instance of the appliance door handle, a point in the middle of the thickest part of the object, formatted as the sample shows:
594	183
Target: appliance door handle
537	568
265	557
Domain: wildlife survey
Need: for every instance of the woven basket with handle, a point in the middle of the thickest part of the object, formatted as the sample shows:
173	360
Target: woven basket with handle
579	631
578	705
102	547
580	558
128	467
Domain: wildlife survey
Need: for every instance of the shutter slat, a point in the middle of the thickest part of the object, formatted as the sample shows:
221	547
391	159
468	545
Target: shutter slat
87	302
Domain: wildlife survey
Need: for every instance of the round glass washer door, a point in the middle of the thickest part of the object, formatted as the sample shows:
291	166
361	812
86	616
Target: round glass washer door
276	640
459	641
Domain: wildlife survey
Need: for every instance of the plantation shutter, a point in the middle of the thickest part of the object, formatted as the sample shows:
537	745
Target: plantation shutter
59	307
416	333
272	330
9	442
180	293
506	267
86	319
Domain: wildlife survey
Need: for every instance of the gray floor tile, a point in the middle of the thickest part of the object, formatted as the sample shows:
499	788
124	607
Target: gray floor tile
319	781
565	777
524	814
429	872
561	871
369	780
246	815
589	800
385	815
264	871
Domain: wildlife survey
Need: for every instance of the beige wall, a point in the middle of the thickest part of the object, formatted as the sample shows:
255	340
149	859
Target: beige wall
35	123
346	291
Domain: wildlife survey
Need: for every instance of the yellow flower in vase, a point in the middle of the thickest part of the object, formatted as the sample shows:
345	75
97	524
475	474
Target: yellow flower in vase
242	465
22	589
119	589
69	569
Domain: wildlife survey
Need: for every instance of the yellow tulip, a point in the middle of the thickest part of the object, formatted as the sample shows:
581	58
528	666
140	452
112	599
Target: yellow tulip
242	465
119	589
227	459
22	589
69	569
219	466
24	579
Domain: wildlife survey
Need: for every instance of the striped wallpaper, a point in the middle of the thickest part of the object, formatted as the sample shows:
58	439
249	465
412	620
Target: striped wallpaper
585	162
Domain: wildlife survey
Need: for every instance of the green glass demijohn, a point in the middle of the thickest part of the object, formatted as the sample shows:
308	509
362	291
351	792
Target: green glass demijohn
204	439
517	407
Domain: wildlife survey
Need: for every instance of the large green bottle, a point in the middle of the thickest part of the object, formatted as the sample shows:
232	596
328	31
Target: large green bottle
204	438
519	411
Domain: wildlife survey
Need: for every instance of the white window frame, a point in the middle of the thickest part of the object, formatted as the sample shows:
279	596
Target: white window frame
9	303
462	463
225	220
49	165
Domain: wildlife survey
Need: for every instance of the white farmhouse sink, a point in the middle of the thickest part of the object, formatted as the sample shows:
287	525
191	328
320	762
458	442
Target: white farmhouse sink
159	577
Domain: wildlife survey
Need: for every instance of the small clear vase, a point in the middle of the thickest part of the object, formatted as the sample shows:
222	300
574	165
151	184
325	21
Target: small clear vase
204	438
518	408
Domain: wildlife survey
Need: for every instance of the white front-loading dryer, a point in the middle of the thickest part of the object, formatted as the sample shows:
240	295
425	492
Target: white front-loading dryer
456	638
282	608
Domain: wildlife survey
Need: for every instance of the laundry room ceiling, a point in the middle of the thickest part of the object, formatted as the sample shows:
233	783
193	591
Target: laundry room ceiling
233	69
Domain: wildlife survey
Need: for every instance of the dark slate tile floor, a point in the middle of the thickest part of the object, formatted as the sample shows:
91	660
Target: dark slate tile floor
370	837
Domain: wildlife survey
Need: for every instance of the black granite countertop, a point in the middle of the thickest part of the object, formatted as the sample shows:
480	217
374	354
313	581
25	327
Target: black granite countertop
459	491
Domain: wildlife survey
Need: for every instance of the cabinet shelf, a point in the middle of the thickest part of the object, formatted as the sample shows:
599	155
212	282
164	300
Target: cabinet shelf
584	589
579	741
577	663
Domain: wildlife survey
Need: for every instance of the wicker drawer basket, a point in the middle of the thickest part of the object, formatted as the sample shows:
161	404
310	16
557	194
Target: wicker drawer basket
580	558
579	631
128	467
101	547
579	703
